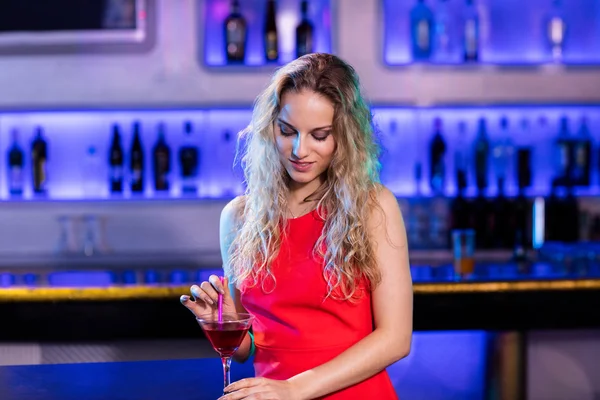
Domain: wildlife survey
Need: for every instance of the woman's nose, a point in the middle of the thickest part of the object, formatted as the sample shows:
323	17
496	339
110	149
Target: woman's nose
300	148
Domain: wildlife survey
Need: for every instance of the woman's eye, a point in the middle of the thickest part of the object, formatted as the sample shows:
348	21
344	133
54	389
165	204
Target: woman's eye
285	130
321	137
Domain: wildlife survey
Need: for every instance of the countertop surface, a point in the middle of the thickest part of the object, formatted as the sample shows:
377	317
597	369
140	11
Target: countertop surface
110	284
195	379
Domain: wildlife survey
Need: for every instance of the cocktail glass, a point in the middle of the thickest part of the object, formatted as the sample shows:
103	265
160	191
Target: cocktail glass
226	336
463	244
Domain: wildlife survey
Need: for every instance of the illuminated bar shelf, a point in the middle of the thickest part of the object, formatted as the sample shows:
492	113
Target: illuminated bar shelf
288	16
512	33
404	132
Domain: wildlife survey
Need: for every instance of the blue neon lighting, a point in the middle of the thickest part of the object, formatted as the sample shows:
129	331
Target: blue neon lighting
406	141
442	365
512	31
70	133
288	17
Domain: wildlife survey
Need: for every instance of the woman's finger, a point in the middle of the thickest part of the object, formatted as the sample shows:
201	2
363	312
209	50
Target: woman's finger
193	306
206	290
216	283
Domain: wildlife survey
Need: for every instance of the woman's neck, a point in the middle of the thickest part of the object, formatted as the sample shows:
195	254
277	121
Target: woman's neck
299	192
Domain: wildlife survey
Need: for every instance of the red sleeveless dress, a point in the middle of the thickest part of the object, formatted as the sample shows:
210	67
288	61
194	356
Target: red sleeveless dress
295	328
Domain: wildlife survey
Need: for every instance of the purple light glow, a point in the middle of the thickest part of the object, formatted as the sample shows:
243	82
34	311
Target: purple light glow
253	10
441	366
81	279
70	133
217	9
512	31
414	131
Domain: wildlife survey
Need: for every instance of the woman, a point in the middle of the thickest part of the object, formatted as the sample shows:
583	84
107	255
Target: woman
316	250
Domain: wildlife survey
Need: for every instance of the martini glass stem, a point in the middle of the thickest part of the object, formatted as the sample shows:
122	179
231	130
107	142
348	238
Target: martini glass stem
226	376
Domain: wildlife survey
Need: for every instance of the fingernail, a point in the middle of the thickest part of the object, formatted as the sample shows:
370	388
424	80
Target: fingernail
184	298
210	301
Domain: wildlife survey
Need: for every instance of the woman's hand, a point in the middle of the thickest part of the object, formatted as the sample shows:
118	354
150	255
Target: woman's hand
261	388
206	297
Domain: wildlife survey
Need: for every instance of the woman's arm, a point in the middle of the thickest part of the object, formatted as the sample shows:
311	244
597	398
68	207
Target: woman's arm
227	226
392	308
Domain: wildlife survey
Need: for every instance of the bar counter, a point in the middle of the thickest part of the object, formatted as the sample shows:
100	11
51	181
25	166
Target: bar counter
500	297
508	299
174	380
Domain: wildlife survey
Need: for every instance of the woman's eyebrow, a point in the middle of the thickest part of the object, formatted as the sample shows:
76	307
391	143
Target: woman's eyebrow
294	128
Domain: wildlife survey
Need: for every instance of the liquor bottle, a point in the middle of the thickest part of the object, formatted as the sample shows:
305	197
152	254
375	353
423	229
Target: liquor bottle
563	156
189	159
421	26
418	174
443	33
16	160
137	160
161	155
471	33
522	207
482	150
115	161
483	215
461	158
502	215
437	152
525	146
236	32
561	217
39	158
304	32
582	153
270	33
556	30
460	212
522	210
524	176
503	154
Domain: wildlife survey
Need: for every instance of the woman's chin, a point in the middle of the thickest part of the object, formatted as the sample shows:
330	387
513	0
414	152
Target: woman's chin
302	178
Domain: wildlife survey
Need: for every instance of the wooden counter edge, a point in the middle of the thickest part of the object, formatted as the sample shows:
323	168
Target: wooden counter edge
116	293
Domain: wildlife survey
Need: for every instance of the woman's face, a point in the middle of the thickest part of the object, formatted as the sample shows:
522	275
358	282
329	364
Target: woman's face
303	134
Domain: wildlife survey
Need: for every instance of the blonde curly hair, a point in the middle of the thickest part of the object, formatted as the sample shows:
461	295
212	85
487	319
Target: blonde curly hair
345	200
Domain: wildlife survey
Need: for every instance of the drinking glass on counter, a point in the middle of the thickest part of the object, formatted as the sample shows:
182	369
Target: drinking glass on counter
225	331
463	248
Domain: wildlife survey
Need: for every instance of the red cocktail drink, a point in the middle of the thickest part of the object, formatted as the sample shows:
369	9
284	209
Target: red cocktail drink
225	335
225	338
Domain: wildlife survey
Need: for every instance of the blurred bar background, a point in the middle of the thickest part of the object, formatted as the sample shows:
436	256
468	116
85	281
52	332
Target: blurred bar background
118	131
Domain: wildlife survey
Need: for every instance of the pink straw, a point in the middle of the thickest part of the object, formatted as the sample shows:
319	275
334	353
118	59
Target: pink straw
222	279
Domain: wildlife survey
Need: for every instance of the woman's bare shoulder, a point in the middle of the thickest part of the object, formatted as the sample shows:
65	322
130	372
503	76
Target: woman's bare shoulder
233	211
382	197
384	207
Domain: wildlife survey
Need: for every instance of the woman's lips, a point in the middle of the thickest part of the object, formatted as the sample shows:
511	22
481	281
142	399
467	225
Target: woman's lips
301	166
